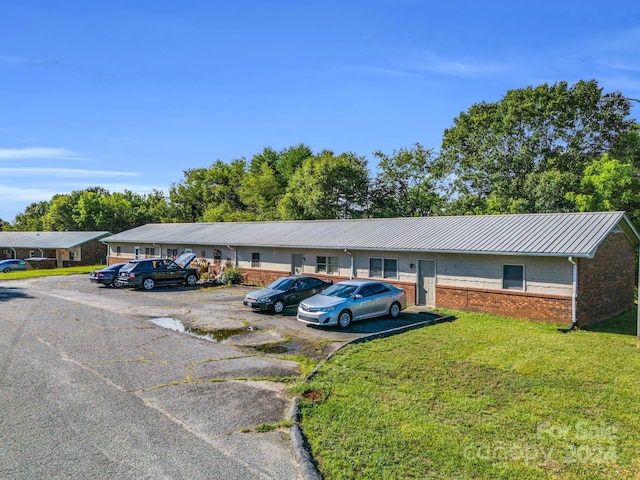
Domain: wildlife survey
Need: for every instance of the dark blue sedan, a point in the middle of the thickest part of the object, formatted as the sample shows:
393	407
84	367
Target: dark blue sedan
108	276
284	292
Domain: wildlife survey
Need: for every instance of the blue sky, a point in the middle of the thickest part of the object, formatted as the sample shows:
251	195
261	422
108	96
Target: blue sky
128	94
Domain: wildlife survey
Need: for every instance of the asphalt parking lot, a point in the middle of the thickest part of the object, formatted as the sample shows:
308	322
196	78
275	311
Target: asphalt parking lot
219	311
75	356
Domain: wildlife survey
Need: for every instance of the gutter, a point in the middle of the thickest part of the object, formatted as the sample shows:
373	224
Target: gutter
351	276
574	296
235	255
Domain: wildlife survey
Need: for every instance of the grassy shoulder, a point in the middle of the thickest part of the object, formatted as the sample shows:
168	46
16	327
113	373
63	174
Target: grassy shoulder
49	272
481	397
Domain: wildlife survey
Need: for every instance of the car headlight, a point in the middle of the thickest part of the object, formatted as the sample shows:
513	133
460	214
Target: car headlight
264	300
326	309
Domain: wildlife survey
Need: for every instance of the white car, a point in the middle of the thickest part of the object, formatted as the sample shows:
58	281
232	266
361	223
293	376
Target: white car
352	300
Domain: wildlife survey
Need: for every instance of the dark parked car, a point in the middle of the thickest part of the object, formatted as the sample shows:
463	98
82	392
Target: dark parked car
108	276
352	300
12	265
284	292
149	272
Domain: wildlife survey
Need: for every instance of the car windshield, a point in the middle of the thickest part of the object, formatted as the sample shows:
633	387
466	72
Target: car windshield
282	284
129	266
340	290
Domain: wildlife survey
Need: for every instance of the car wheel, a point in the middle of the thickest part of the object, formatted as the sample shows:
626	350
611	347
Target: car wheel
192	280
394	310
6	270
344	319
278	306
148	284
118	283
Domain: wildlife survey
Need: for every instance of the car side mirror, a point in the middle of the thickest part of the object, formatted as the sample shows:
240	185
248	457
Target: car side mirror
358	297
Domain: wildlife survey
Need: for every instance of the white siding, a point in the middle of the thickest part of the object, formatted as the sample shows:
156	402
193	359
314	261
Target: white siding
545	275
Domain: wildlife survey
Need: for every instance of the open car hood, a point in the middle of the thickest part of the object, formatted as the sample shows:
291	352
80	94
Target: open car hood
185	259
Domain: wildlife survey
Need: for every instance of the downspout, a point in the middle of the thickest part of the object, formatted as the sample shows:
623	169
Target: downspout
15	254
235	255
159	246
351	271
574	296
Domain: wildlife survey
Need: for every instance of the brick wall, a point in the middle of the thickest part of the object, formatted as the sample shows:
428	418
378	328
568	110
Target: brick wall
546	308
605	289
93	253
606	282
26	253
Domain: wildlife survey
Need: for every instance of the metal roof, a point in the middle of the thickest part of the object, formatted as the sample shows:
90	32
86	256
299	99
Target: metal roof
48	240
552	234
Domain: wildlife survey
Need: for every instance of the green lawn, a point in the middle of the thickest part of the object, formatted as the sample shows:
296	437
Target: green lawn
481	397
48	272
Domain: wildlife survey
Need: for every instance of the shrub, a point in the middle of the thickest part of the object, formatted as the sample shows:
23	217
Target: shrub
232	275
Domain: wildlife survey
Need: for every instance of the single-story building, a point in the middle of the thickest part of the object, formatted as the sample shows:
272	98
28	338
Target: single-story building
60	248
559	267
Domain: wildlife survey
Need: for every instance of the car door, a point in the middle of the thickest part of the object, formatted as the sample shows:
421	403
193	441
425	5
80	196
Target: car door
160	272
297	292
173	273
362	305
380	299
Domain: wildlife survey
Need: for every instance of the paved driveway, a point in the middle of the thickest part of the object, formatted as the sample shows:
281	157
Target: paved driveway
91	387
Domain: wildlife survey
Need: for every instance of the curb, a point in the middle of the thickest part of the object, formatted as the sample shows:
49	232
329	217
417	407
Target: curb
306	463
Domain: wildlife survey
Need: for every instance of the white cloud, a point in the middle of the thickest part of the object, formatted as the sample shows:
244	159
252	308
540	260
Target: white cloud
26	194
61	172
428	61
36	152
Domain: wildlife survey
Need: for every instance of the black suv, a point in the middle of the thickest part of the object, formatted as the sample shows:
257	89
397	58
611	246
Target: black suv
149	272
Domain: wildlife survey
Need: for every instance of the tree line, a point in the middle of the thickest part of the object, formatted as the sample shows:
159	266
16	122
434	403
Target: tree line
550	148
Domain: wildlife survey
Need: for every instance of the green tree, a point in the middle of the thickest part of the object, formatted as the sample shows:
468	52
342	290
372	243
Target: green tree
59	216
405	185
261	192
492	154
207	188
327	187
609	184
31	219
266	181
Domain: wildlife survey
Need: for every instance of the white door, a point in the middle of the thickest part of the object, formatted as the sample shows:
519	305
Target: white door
427	283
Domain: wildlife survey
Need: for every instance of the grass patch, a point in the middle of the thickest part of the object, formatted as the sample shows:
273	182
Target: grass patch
267	427
50	272
481	397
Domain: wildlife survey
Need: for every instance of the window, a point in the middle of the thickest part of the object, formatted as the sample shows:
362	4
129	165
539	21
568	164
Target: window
327	265
172	252
118	250
203	254
255	260
149	252
315	282
383	267
513	277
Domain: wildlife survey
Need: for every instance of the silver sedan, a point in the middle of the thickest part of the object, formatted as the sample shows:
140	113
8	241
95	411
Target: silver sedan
352	300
